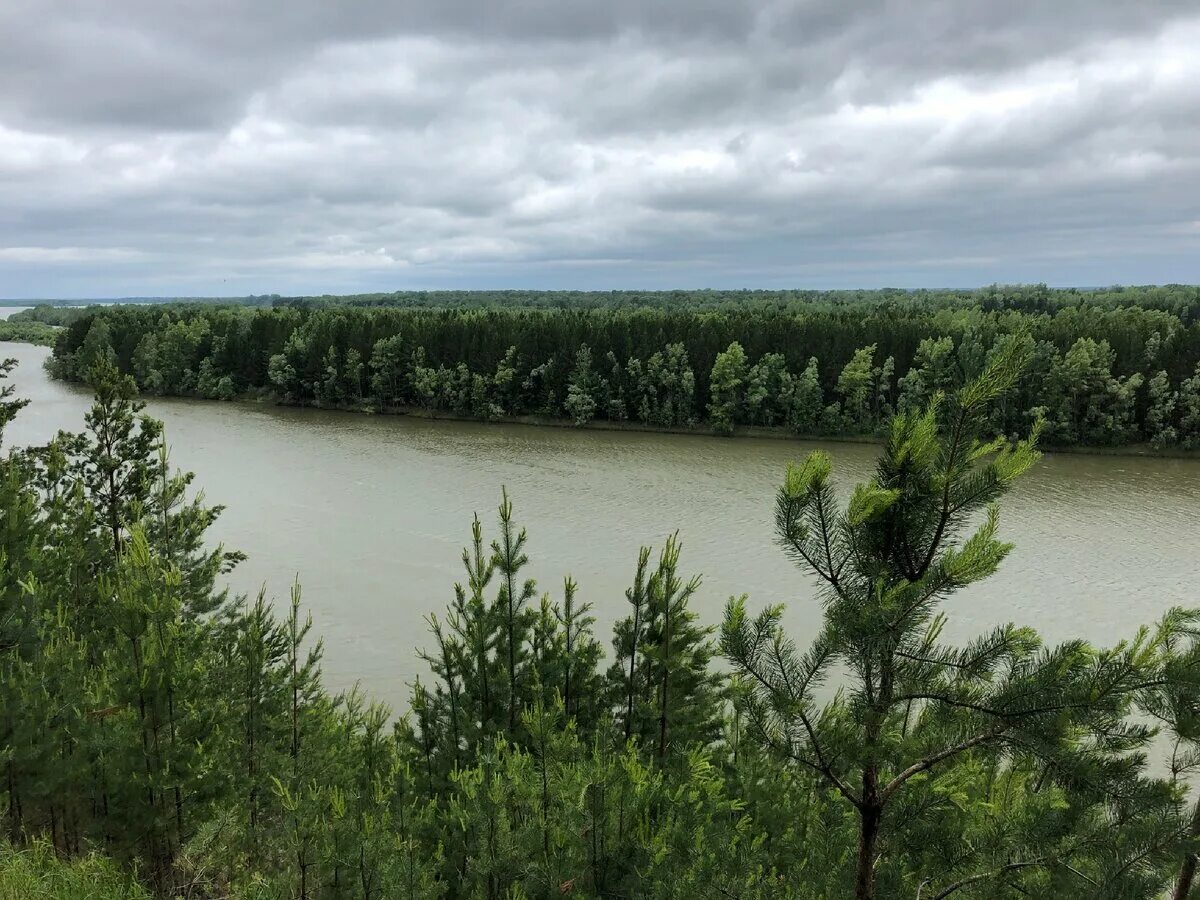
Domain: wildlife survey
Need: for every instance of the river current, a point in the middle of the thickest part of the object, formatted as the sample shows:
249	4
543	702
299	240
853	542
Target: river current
371	513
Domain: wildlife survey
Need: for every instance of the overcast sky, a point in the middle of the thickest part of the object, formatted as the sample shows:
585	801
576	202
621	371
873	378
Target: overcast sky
160	147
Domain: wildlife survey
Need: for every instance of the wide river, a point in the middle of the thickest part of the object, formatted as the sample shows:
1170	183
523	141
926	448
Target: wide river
372	512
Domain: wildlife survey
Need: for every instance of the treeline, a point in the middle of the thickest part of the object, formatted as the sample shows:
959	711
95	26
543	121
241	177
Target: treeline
1098	375
51	315
147	716
1181	300
39	324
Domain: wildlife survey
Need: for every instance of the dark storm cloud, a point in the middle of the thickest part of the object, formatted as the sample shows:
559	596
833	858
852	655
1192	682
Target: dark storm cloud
232	146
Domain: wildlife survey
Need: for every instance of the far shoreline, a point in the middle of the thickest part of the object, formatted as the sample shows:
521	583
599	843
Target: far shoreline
1138	451
777	433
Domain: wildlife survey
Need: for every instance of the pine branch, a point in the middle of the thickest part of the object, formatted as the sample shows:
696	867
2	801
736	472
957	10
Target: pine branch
930	761
983	876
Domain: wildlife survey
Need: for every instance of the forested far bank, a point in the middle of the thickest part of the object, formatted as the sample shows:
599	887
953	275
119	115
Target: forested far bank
1182	300
156	728
1100	374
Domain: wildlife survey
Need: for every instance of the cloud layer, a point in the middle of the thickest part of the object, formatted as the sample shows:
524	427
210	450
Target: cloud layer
227	147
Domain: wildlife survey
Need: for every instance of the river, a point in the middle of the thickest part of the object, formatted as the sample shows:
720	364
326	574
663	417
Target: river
372	512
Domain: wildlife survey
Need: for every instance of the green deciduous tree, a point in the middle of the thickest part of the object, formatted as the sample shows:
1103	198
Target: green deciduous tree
1189	410
727	383
857	386
506	382
387	371
1089	404
1160	418
807	402
582	389
770	391
933	369
665	387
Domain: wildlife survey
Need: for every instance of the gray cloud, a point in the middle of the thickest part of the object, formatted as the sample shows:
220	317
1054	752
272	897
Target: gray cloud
231	147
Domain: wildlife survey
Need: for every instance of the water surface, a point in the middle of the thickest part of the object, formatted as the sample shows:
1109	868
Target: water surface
372	512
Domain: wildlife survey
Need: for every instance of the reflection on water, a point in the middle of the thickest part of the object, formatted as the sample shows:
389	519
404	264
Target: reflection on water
371	513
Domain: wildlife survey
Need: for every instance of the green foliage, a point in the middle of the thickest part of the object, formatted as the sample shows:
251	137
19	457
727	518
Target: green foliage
918	720
671	361
387	371
933	371
50	315
582	389
1089	404
1160	417
8	407
806	406
186	734
35	873
728	386
664	391
770	391
668	699
28	332
856	385
1189	414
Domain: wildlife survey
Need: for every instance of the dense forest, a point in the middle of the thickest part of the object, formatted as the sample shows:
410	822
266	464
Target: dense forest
1182	300
162	738
1107	368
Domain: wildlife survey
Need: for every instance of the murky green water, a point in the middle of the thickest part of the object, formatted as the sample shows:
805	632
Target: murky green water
372	512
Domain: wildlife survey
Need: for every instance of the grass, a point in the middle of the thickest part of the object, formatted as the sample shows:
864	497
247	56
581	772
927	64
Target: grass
36	873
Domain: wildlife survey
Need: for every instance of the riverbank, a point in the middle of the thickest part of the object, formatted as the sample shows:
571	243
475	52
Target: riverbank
1141	450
